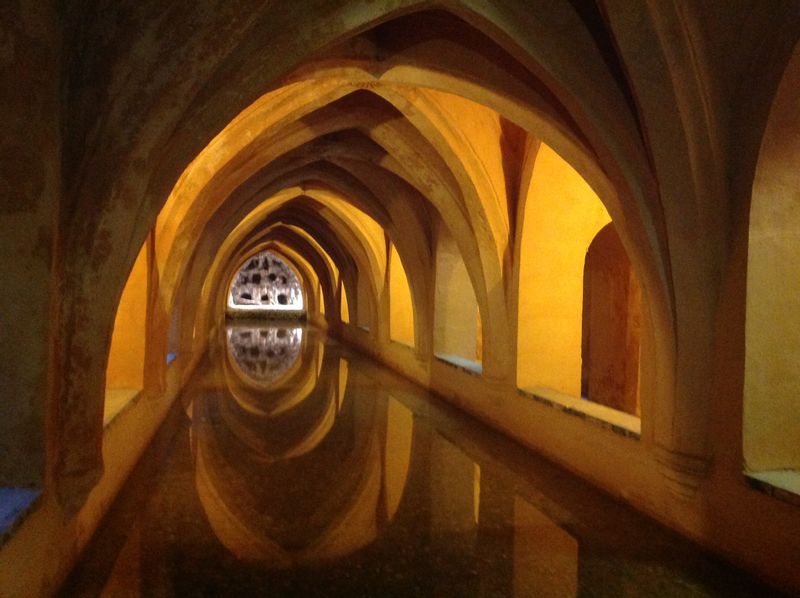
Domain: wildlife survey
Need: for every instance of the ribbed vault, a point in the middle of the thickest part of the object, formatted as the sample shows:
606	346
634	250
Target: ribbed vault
375	141
399	125
435	171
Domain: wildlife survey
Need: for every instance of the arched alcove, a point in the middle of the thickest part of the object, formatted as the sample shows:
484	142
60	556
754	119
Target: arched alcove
611	325
126	359
455	316
562	215
344	307
579	312
771	418
320	302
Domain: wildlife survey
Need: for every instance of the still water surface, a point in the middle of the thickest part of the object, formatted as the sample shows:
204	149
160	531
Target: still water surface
293	467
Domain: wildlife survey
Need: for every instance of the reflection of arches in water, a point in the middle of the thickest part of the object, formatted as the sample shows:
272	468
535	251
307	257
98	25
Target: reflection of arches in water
271	398
308	502
264	353
266	281
276	423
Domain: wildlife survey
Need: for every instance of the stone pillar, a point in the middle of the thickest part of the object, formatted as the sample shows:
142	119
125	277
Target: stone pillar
30	195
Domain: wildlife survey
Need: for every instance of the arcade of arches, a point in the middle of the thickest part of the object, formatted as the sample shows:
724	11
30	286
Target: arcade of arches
578	222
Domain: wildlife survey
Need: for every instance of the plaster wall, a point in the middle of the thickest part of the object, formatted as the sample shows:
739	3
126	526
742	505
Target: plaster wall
561	217
455	307
401	316
126	357
772	376
478	142
344	308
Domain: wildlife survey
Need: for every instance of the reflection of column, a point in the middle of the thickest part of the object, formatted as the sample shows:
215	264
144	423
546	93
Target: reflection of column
342	383
520	551
416	503
125	575
173	513
545	556
495	545
397	457
452	489
453	521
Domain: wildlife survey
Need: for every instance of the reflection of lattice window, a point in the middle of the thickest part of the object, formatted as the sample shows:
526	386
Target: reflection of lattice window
266	281
264	353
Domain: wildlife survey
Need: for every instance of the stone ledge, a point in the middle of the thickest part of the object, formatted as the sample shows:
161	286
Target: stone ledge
473	368
783	484
618	422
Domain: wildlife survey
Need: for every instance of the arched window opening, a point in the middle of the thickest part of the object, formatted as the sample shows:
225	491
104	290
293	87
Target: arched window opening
611	325
578	311
344	308
771	416
455	328
174	337
266	286
320	299
125	369
401	307
182	312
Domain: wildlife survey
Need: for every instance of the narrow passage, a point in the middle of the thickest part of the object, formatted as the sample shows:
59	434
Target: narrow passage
294	467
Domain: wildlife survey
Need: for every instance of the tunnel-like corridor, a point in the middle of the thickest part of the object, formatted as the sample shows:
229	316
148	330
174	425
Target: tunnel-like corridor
328	475
272	236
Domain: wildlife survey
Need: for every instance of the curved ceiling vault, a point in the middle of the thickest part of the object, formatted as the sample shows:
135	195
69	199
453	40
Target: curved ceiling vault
410	124
374	124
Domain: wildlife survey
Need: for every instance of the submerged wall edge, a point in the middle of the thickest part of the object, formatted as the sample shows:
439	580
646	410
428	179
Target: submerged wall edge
47	543
719	517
